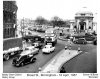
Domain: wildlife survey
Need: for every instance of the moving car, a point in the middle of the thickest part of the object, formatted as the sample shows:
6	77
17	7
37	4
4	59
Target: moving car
48	48
37	45
80	41
25	57
95	41
32	49
33	38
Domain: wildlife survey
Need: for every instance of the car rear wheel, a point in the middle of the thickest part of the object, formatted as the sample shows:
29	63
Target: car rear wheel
53	50
7	57
33	60
22	64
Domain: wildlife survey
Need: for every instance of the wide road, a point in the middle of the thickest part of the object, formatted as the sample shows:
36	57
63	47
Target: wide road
85	62
42	59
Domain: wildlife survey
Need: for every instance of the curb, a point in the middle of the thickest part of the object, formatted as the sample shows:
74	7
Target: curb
58	70
52	59
69	60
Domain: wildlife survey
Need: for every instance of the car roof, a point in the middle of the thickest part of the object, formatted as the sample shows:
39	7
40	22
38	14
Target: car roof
48	45
26	52
31	47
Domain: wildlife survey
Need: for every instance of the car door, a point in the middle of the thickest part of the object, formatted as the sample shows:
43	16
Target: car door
51	48
24	59
29	57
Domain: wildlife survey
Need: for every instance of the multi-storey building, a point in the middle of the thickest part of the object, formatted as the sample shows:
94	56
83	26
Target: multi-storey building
9	18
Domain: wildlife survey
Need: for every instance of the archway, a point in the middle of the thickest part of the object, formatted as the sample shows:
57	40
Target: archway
82	25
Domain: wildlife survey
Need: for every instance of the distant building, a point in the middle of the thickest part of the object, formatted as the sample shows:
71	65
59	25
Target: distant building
9	18
84	21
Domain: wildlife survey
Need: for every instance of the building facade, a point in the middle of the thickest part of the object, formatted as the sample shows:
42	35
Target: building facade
9	18
84	21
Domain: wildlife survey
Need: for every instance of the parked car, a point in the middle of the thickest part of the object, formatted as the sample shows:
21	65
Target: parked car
48	49
25	57
80	41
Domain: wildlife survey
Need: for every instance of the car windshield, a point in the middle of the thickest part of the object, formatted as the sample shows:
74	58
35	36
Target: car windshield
19	57
26	48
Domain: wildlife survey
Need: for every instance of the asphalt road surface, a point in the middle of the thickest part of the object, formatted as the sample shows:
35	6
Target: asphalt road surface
85	62
42	59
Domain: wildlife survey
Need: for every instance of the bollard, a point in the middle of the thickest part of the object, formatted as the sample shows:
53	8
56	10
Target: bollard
69	48
79	48
66	47
39	69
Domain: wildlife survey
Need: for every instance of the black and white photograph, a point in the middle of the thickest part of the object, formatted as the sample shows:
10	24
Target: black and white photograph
49	36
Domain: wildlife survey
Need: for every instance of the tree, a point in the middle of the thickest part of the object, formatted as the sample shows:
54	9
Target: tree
40	20
56	21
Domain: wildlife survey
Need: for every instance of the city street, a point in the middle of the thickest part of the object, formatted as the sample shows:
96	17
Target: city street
52	37
42	59
85	62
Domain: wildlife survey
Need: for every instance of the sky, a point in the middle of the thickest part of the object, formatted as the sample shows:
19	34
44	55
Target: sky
65	9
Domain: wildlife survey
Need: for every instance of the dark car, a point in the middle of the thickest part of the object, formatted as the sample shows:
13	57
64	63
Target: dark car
80	41
33	38
21	60
27	56
95	42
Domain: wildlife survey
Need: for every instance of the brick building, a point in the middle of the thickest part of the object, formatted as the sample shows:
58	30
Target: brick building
9	18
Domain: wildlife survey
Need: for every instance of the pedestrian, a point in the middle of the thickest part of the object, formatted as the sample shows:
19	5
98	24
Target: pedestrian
79	48
66	47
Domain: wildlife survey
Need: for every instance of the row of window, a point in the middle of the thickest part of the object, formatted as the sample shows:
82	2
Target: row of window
9	17
9	32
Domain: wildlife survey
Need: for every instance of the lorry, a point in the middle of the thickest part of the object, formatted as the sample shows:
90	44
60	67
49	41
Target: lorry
11	47
51	36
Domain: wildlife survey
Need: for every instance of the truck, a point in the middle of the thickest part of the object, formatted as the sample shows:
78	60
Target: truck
51	36
11	47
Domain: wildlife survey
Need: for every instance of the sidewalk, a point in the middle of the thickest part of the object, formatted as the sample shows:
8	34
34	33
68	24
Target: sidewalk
54	65
11	38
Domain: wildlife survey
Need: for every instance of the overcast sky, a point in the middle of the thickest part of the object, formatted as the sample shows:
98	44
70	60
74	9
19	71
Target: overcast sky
64	9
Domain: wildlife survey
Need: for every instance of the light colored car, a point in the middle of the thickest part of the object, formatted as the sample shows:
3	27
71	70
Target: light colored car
31	49
48	49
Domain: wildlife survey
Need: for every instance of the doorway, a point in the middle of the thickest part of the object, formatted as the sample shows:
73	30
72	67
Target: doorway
82	25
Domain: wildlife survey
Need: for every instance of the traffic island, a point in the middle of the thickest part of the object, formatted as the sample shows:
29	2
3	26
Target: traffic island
54	65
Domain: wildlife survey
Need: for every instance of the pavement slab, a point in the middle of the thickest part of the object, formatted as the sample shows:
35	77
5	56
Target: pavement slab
54	65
